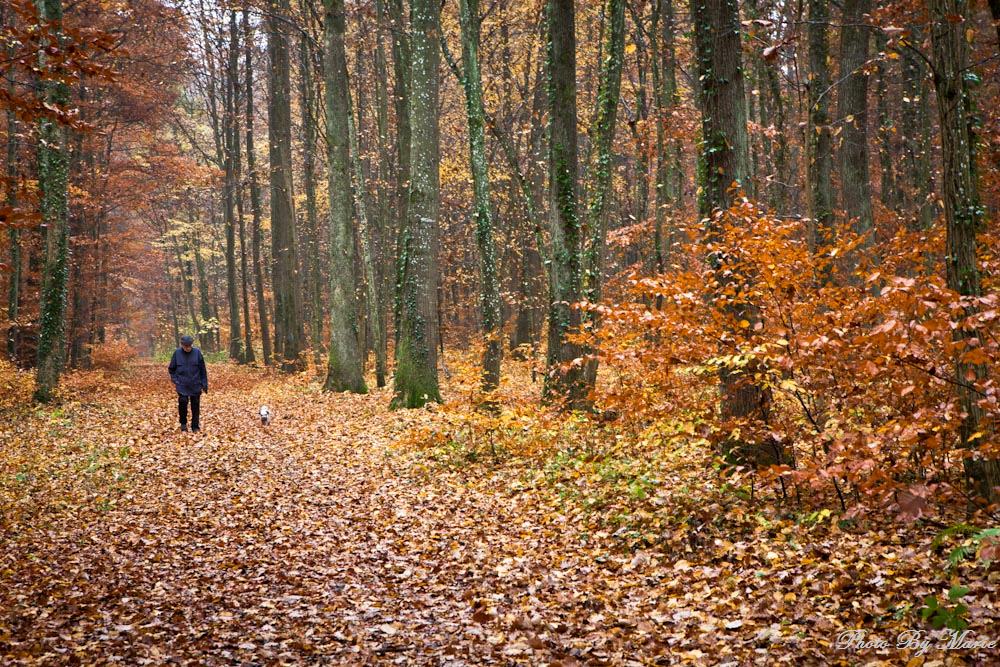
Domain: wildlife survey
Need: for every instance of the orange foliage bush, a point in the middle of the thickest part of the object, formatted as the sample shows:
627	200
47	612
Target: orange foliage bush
861	364
112	355
16	388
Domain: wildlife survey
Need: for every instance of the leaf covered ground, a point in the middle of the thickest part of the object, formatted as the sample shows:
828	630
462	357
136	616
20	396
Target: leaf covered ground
334	537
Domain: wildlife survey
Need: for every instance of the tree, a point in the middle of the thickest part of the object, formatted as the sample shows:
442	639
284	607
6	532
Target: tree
852	111
530	184
490	284
565	377
637	121
183	252
602	135
314	287
668	151
770	109
401	58
11	185
963	213
230	134
383	224
889	193
345	369
206	335
285	278
376	316
725	170
915	131
820	143
255	206
416	380
234	77
725	156
53	183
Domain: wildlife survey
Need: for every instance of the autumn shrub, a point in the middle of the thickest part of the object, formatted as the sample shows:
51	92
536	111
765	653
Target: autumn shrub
112	355
859	362
16	388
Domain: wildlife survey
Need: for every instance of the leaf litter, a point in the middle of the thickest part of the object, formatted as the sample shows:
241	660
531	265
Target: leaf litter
319	539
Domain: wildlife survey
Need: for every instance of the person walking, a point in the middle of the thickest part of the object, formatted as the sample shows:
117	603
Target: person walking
190	378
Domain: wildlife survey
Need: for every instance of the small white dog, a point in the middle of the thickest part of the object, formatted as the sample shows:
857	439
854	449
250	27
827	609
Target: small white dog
265	415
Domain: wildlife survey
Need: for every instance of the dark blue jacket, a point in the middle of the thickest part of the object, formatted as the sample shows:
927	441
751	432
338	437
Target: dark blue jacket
188	372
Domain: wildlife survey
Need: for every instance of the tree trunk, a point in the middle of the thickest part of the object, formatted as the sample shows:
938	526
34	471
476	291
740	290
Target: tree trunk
964	217
213	269
725	151
171	295
376	316
668	151
401	93
416	380
489	281
345	368
383	223
637	124
83	327
915	130
532	287
255	240
249	356
725	165
248	353
780	180
565	379
314	291
187	280
285	278
888	190
13	234
77	316
852	111
602	137
820	136
229	133
53	180
206	333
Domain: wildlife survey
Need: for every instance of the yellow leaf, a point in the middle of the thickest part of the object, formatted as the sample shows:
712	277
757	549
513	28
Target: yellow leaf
744	324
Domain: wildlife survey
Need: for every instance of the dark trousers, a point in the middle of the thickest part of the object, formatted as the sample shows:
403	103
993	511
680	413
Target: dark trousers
182	409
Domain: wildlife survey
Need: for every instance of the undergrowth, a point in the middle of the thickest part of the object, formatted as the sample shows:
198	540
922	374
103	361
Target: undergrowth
64	453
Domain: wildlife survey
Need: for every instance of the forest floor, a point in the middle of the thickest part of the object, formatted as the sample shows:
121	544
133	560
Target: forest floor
325	538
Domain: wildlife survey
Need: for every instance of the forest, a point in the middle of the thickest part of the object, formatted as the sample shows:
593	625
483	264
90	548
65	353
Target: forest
541	332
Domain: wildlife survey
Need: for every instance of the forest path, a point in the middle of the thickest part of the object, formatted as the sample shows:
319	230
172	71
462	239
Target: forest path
326	539
303	541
